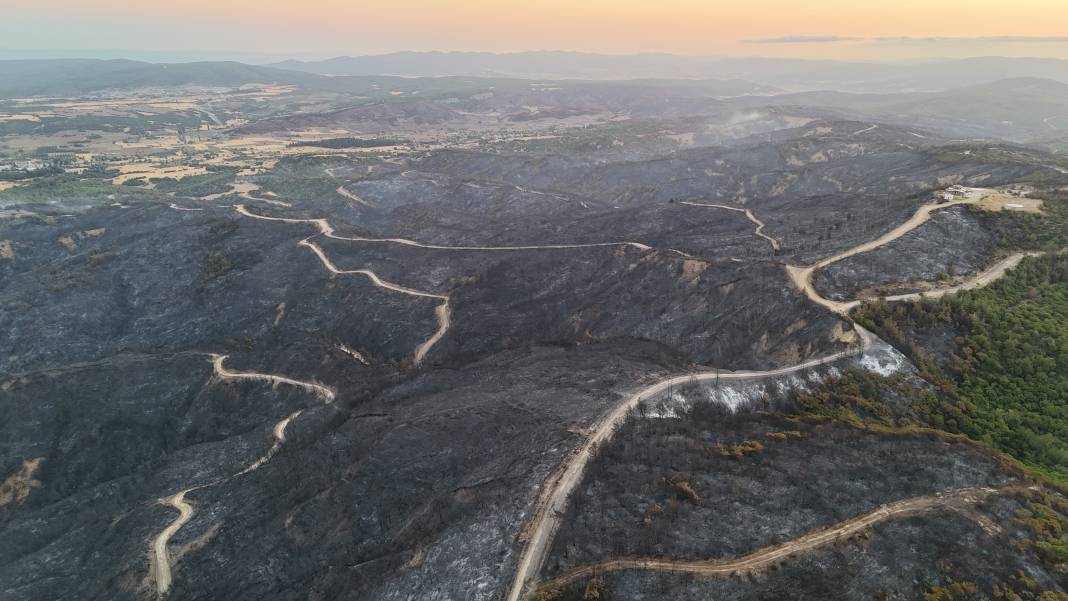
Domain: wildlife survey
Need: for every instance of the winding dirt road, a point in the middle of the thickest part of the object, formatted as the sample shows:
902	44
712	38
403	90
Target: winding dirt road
375	279
279	433
958	499
979	280
327	230
748	214
161	558
222	373
443	313
802	276
549	510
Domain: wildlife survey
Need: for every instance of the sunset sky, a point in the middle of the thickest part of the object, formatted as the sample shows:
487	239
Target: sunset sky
854	29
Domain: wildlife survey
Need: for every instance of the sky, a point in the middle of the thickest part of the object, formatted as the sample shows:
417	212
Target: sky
271	29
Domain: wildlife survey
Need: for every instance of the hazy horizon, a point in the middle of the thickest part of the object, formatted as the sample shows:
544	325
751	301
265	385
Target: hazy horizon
835	29
163	56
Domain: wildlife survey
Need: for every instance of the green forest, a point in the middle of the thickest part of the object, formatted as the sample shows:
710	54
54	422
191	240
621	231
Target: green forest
998	357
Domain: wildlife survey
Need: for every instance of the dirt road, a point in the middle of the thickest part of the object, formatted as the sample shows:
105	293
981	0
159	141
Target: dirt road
749	215
983	278
161	558
327	230
802	276
377	281
769	556
349	195
443	313
549	510
225	374
279	432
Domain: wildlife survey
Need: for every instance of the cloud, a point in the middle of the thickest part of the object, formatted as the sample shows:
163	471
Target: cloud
993	39
996	39
803	39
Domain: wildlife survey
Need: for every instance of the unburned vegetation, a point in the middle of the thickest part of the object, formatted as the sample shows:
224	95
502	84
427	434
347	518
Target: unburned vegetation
998	358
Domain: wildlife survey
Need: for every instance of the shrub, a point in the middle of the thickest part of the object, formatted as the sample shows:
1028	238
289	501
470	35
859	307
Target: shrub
737	451
684	491
216	264
595	591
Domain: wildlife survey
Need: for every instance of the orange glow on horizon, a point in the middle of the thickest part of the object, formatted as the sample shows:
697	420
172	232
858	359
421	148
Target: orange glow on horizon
619	26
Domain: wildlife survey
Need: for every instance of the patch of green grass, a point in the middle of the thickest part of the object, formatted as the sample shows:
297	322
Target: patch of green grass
72	192
215	181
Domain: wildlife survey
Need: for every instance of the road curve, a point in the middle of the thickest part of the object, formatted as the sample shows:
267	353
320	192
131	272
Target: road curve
987	276
162	557
549	510
442	313
375	279
802	276
323	392
749	215
766	557
279	433
979	280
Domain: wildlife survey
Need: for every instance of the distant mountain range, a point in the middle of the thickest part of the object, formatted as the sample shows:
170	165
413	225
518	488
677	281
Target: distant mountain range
1020	100
749	75
71	77
788	74
1022	109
